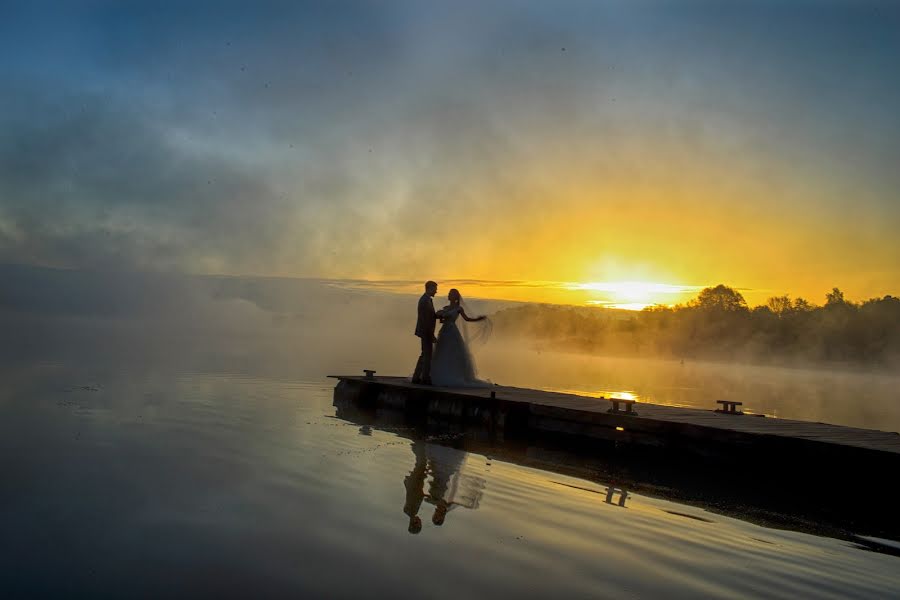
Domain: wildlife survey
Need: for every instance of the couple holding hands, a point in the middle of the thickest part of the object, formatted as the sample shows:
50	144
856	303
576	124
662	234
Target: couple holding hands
445	360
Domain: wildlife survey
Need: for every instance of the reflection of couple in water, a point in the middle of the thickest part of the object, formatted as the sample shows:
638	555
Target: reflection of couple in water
450	486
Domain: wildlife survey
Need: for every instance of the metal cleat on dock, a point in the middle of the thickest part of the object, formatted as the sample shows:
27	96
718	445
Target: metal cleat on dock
629	406
611	491
729	407
369	373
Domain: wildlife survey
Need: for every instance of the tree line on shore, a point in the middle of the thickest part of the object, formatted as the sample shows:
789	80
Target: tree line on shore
718	324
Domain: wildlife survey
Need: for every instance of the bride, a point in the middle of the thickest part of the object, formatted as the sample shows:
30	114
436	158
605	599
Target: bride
452	365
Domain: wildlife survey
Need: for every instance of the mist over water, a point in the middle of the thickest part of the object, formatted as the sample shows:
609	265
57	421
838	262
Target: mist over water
867	400
307	329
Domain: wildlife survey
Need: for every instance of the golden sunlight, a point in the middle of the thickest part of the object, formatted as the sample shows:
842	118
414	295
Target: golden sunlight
634	295
622	305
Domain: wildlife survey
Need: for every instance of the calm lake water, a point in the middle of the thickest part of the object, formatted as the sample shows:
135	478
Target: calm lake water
129	477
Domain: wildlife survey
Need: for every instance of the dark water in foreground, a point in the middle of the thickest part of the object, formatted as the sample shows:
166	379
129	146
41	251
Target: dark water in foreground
157	482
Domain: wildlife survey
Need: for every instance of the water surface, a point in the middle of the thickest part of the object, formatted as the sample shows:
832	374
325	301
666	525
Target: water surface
148	480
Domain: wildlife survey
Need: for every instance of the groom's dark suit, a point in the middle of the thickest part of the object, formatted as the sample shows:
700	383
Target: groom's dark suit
425	330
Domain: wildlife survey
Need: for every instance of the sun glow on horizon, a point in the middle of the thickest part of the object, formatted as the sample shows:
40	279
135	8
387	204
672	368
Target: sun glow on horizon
622	305
634	295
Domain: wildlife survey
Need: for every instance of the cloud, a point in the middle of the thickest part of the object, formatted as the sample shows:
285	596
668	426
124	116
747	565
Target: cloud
368	141
92	180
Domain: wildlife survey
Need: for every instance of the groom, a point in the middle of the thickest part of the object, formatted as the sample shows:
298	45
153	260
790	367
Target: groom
425	330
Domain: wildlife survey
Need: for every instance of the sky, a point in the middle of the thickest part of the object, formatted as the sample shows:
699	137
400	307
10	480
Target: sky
678	144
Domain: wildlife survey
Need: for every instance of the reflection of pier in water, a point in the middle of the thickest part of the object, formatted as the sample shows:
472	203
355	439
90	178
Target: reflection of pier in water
760	491
614	496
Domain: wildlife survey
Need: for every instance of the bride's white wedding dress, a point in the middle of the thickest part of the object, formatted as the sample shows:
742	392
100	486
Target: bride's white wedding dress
452	364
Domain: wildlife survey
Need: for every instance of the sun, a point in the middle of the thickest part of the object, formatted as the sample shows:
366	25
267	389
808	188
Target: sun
633	295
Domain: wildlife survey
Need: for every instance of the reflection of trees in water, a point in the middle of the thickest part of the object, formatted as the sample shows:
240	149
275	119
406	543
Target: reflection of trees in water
719	323
450	485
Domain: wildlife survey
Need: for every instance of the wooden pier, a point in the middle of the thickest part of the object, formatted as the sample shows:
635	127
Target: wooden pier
723	432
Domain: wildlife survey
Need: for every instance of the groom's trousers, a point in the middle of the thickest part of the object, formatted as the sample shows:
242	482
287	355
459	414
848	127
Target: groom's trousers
423	366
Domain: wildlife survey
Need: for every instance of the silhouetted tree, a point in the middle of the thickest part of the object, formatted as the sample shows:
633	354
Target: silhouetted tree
718	324
802	305
780	305
835	298
720	297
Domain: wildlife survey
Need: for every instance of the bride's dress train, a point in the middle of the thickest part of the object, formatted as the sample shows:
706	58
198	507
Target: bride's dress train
452	364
